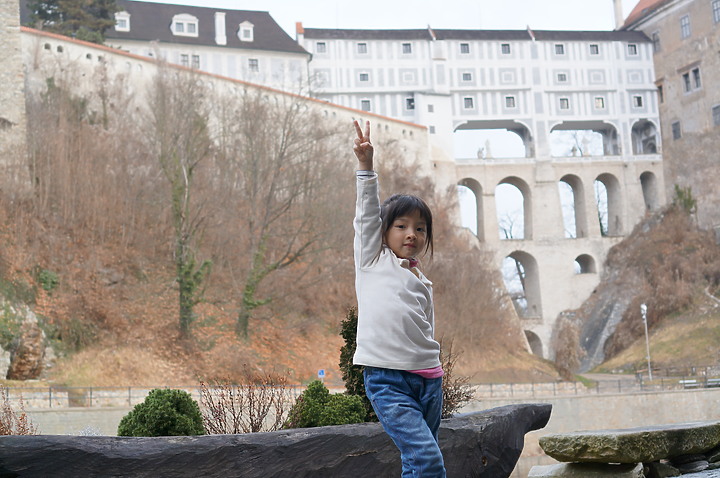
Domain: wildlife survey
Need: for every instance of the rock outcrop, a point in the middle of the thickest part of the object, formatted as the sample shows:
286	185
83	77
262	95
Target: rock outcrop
482	444
633	445
651	452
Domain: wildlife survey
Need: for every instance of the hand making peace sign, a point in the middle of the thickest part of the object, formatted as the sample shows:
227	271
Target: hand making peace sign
363	148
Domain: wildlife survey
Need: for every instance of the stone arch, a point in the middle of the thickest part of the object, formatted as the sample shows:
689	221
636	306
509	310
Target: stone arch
525	210
535	343
577	132
528	274
575	220
645	138
585	264
519	128
475	187
648	181
614	225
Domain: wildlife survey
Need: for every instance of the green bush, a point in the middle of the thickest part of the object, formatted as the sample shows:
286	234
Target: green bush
353	374
316	407
165	412
48	279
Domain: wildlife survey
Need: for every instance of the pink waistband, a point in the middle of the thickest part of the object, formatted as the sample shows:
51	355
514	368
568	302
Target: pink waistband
435	372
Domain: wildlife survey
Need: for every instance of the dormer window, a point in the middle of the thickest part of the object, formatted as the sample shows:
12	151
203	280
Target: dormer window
185	25
245	31
122	22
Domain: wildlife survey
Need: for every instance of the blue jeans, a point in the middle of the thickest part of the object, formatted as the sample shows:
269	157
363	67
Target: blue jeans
409	408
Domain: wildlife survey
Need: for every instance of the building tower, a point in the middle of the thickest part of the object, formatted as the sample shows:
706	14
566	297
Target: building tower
13	116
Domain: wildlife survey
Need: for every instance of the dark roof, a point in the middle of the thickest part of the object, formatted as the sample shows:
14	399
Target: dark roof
445	34
151	22
643	9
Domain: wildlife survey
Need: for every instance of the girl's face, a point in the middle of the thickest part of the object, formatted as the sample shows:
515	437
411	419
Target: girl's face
407	235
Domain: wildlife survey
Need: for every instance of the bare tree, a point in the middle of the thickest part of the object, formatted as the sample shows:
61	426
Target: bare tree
279	163
179	135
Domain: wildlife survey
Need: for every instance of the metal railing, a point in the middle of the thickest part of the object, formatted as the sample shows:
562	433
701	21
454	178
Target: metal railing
64	397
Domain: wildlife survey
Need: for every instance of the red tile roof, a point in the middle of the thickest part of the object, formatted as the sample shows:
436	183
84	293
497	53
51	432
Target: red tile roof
643	9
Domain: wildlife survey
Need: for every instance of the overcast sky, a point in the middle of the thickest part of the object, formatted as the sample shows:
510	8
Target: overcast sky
462	14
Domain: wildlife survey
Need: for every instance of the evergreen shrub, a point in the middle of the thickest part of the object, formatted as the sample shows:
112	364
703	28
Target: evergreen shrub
316	407
165	412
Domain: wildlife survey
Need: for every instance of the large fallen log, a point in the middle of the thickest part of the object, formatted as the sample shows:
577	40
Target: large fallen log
481	444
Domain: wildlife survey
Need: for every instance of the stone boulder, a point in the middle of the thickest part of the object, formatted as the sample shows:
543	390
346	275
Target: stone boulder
633	445
587	470
482	444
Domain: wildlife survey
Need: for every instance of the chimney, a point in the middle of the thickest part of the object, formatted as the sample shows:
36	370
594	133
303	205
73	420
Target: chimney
220	34
619	18
299	32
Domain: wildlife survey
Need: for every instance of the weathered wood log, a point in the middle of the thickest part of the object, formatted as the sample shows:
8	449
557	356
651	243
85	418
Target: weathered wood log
481	444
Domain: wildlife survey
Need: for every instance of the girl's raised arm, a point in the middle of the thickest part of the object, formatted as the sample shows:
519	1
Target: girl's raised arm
363	148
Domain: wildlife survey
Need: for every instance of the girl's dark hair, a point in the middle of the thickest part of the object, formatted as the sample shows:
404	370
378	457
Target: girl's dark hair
399	205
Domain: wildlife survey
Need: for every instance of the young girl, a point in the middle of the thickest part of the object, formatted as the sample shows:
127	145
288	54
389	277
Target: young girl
396	322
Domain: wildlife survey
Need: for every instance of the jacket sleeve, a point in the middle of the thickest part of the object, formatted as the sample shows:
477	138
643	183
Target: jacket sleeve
368	224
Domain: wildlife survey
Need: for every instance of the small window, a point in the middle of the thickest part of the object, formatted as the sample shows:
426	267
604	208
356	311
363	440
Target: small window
196	62
599	103
509	102
676	132
467	76
410	103
562	77
321	47
661	95
716	11
716	115
364	76
431	108
253	65
505	48
47	46
656	42
185	60
468	103
89	56
465	47
685	26
406	48
362	48
432	129
60	49
696	78
122	22
365	105
632	49
559	49
594	49
637	101
246	31
564	103
185	25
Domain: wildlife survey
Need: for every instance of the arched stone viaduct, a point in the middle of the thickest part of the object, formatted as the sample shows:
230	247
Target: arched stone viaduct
561	272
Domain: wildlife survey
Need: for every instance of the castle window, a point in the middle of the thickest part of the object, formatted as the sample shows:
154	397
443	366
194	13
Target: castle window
406	48
365	105
246	31
676	132
410	103
632	49
559	49
185	25
465	47
716	11
562	77
509	102
196	62
253	65
599	103
685	26
468	103
321	47
637	101
594	49
362	48
564	103
505	48
716	115
185	60
364	76
122	22
656	42
467	76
